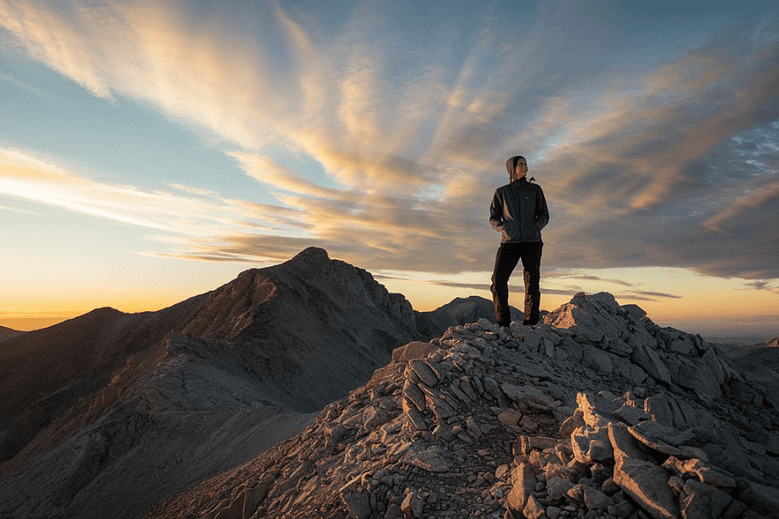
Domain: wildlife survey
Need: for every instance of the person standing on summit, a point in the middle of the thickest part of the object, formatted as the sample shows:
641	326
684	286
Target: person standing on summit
518	211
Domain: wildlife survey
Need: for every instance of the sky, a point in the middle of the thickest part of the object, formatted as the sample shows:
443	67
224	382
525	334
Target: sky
151	151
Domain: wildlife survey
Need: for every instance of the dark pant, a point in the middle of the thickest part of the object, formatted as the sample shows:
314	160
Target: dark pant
506	260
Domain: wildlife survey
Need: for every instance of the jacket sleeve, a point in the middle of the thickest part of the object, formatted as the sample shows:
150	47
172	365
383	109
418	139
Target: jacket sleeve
542	211
496	212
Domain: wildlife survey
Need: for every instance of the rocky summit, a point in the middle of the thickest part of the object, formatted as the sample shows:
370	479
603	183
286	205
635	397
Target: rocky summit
596	413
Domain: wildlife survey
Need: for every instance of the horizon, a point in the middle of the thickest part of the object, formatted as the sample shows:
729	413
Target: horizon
709	329
149	152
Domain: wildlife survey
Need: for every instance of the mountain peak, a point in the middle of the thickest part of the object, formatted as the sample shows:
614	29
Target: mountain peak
312	255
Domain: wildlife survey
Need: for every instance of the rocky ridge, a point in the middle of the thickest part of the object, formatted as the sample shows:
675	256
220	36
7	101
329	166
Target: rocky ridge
596	413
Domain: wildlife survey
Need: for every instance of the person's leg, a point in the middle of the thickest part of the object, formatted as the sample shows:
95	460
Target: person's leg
506	259
531	263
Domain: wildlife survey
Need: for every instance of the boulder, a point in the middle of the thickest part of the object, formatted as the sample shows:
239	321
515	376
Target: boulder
644	481
523	481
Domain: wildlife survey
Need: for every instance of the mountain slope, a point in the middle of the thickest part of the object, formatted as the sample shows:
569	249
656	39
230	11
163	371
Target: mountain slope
114	412
761	361
597	413
316	327
45	372
8	333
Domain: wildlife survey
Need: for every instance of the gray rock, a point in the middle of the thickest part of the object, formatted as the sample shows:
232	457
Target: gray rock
597	360
374	417
659	436
700	501
523	483
358	504
533	509
558	487
711	360
650	361
631	414
572	348
634	311
425	373
412	505
659	408
591	445
431	459
682	346
699	377
441	409
509	417
413	350
449	453
629	371
528	395
705	473
645	482
596	408
414	395
416	419
617	346
760	498
571	423
594	499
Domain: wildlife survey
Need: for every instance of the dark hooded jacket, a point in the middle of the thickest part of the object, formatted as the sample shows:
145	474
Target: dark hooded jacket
518	210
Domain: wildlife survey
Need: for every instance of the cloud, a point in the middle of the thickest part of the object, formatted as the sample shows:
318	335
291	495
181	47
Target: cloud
453	284
650	294
27	177
587	277
672	163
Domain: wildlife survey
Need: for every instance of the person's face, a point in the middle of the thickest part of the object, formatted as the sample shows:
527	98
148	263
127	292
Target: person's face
520	171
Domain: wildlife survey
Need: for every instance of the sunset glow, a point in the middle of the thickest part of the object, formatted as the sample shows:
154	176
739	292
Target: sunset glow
151	151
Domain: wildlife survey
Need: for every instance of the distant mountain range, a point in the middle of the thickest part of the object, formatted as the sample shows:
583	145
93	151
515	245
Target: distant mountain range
308	382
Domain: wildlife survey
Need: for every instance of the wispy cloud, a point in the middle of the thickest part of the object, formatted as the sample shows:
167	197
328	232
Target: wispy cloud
27	177
762	285
453	284
671	163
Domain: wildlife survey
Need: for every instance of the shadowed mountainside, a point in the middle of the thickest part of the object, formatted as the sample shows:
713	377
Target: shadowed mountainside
45	372
107	413
8	333
761	361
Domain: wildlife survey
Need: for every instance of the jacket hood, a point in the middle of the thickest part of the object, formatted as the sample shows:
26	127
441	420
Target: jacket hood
511	165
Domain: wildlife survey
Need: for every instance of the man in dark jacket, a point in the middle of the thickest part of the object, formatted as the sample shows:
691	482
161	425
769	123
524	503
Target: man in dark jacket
518	211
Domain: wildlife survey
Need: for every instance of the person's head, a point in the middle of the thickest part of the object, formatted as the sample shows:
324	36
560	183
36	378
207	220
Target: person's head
517	168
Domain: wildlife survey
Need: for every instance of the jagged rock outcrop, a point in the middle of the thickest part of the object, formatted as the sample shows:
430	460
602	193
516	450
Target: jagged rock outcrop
106	414
595	413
